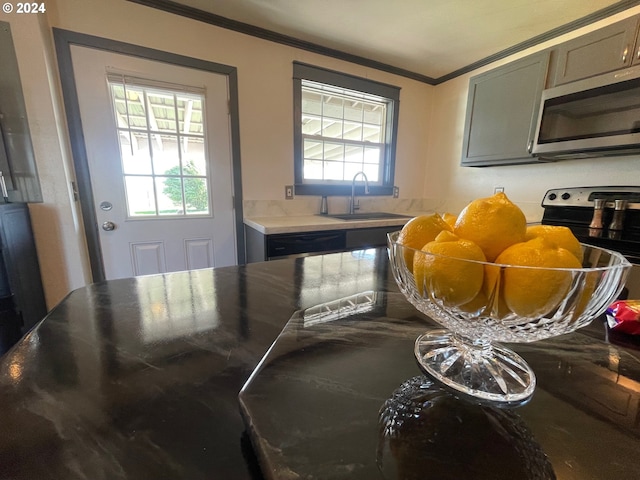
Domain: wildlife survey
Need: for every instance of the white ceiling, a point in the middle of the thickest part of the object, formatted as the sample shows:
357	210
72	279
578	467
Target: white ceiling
432	38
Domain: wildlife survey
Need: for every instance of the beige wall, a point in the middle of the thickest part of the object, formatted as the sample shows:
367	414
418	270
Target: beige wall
58	230
429	137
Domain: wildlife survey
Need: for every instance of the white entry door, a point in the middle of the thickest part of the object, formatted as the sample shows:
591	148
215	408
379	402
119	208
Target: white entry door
159	152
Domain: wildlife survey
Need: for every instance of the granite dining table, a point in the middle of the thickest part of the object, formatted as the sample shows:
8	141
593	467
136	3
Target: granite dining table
300	368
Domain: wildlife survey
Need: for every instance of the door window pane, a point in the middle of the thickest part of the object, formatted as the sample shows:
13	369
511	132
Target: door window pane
166	158
190	114
135	153
170	195
195	195
140	196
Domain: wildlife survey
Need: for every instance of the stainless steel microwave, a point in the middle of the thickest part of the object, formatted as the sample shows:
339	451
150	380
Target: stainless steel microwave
598	116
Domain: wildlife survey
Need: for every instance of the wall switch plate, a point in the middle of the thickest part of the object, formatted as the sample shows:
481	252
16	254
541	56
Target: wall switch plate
288	192
396	192
498	190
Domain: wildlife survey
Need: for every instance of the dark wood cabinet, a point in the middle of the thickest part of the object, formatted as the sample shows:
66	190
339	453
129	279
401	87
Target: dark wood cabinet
21	292
502	110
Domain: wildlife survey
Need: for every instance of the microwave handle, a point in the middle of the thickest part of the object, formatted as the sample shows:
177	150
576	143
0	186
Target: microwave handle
530	146
624	54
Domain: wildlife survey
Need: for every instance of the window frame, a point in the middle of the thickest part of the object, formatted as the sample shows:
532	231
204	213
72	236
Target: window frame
302	71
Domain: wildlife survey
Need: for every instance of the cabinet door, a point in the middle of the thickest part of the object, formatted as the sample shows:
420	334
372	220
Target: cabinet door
636	53
502	109
605	50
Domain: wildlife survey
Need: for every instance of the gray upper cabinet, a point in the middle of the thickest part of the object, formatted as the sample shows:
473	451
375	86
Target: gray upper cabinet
605	50
502	111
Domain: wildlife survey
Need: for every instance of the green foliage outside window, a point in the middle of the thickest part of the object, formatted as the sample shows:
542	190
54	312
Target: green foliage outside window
195	189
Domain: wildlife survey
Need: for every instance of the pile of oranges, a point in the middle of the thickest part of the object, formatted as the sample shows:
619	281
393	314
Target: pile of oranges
466	255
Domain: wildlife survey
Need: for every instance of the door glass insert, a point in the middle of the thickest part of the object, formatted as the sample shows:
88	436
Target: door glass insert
161	133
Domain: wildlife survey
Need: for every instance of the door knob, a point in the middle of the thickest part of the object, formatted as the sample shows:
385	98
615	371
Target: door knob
108	226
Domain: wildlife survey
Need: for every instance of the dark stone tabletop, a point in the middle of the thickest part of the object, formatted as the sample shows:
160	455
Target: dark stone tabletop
140	379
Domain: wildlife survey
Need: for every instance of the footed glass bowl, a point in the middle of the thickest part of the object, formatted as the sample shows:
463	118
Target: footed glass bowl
512	304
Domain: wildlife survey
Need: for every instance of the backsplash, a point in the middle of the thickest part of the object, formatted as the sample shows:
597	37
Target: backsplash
310	205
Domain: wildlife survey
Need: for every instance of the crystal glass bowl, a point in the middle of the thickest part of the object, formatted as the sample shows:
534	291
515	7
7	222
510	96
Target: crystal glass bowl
465	355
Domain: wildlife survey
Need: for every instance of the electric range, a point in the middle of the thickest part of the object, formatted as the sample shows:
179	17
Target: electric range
607	217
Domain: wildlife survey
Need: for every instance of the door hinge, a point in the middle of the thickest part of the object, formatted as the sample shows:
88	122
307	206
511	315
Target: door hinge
74	189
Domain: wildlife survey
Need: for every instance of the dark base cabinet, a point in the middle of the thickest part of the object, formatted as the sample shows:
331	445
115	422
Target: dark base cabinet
261	247
22	302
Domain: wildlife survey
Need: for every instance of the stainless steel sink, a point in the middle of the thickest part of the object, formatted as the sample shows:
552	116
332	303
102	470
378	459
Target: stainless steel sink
367	216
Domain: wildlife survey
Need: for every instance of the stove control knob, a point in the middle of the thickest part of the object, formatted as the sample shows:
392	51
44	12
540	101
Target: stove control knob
552	196
566	196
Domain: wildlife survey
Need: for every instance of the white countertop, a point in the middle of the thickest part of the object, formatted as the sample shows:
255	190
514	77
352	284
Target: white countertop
316	223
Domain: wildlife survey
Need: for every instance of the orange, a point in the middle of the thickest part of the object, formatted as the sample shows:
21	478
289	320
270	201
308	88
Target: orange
450	269
419	231
561	236
493	223
534	292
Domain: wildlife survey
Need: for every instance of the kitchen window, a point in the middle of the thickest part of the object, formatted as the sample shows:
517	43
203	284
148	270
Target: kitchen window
342	125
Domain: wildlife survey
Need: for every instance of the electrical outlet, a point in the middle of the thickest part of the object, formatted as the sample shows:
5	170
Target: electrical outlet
396	192
498	189
288	192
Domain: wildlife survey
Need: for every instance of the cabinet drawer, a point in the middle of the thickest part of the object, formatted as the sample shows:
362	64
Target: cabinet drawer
369	237
291	244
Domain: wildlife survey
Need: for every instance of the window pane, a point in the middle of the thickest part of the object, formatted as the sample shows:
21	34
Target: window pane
373	114
162	114
193	154
312	169
354	154
350	169
331	128
166	159
140	196
353	131
312	150
311	102
371	171
130	112
196	196
169	195
311	125
372	134
333	107
333	151
190	114
134	151
333	171
353	111
372	155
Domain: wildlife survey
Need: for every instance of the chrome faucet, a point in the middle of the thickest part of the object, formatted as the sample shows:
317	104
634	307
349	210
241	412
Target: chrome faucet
352	205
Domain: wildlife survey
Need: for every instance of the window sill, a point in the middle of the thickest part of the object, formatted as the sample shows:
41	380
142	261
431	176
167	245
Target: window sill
341	190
